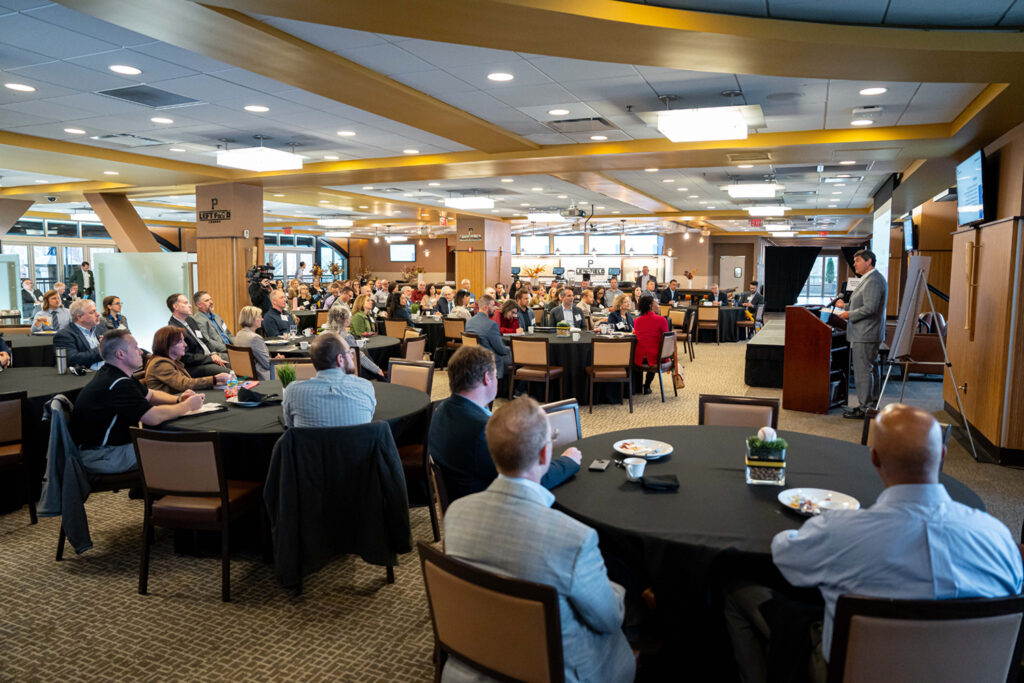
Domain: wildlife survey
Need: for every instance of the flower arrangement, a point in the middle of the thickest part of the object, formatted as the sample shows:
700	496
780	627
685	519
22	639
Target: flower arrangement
334	268
689	274
749	315
317	271
532	272
365	274
409	273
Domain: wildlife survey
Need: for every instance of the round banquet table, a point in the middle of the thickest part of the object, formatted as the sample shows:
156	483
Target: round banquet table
306	319
31	350
42	384
248	435
380	348
728	316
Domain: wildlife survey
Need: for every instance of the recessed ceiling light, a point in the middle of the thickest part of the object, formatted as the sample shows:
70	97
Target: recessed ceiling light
861	122
563	196
279	195
837	192
125	70
363	206
693	196
367	187
557	112
508	180
833	206
598	137
74	131
584	203
325	201
651	170
410	151
20	87
874	91
524	204
616	212
346	133
598	207
331	157
500	76
161	119
745	166
177	149
536	189
668	180
711	207
111	173
702	202
847	163
839	185
40	182
256	108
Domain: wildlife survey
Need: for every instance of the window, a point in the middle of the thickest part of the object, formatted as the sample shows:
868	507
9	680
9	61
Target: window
29	228
45	259
286	240
270	239
821	286
606	244
58	229
72	258
21	251
94	231
569	244
534	244
644	244
304	241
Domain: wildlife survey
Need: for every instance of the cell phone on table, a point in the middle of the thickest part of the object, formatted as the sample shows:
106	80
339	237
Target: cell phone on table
599	465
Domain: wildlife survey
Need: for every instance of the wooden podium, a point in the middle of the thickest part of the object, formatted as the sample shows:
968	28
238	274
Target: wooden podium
816	369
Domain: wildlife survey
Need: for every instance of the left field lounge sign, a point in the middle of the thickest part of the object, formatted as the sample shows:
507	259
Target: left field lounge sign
215	215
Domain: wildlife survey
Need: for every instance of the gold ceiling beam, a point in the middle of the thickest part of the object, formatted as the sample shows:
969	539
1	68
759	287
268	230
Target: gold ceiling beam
631	33
52	188
240	40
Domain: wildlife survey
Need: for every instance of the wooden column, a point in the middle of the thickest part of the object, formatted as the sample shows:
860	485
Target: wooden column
483	252
229	241
10	211
122	221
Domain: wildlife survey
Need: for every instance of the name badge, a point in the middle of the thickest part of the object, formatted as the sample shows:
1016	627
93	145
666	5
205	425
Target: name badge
198	333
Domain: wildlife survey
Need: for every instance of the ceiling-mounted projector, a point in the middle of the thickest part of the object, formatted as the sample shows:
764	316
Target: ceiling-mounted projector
572	212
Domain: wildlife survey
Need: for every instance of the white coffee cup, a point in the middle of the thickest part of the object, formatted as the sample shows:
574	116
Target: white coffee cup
531	329
575	336
303	345
634	468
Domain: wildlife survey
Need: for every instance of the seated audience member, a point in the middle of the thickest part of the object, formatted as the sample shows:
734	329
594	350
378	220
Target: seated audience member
113	401
468	287
336	397
430	299
499	292
380	295
215	331
598	299
491	292
751	298
70	296
316	292
445	302
112	318
398	309
53	316
566	311
461	309
249	320
586	301
30	298
489	334
620	319
668	295
914	543
304	300
457	439
81	338
524	314
652	288
419	293
717	295
333	290
338	319
612	292
511	529
552	300
363	321
648	328
345	297
5	353
166	372
277	321
508	318
199	360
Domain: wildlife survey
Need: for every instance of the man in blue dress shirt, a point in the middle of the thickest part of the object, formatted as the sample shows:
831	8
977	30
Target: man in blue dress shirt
337	396
914	543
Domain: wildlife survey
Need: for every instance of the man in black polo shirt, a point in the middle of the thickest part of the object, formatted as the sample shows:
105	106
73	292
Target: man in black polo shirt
114	401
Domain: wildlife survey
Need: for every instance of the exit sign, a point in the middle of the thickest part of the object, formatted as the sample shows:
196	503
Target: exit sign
756	222
822	233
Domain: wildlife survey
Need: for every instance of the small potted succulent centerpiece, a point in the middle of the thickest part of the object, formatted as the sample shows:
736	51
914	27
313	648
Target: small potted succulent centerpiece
766	458
562	328
286	373
415	308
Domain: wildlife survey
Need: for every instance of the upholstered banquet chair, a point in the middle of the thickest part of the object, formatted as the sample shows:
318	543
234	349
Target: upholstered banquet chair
738	411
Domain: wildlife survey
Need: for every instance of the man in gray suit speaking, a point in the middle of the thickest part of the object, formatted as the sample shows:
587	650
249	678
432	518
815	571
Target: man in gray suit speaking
866	330
511	529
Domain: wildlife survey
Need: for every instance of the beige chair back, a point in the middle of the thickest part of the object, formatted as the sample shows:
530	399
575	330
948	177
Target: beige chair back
564	418
176	466
677	318
395	328
453	328
668	345
10	417
321	318
707	313
538	316
738	411
463	603
415	348
665	309
527	351
614	353
241	361
410	333
304	369
469	339
414	374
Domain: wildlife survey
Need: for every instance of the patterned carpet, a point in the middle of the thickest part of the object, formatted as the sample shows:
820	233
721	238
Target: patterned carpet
82	619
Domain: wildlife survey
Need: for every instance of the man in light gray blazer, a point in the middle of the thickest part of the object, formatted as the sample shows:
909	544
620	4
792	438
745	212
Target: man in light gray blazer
865	331
215	331
510	529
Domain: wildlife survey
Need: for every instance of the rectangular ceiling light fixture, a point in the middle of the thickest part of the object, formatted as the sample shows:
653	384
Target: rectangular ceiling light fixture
469	203
545	217
753	190
338	235
783	234
698	125
259	159
395	238
767	211
334	223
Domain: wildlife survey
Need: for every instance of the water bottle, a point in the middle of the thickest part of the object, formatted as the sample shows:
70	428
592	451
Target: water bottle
61	354
232	387
293	329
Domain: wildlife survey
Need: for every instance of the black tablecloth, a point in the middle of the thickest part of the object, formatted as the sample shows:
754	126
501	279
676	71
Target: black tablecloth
248	435
728	316
31	350
306	319
380	348
41	384
432	328
574	357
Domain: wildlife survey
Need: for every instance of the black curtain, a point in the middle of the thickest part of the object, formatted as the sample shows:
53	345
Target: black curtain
848	253
785	272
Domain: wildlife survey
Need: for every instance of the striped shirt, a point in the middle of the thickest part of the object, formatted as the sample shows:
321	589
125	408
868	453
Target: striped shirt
331	399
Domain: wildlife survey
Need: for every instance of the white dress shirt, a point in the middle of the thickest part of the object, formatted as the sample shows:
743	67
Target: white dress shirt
914	543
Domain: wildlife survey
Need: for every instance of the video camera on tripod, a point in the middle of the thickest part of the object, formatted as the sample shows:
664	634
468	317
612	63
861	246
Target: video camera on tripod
257	274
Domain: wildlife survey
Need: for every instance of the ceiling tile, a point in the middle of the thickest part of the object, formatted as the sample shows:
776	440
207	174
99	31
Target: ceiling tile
386	59
23	31
330	38
206	88
43	91
89	103
436	83
447	55
562	69
72	76
550	139
79	22
860	12
524	72
181	57
577	110
13	118
939	102
153	68
12	57
927	13
533	95
632	90
1015	15
252	80
486	107
46	110
844	96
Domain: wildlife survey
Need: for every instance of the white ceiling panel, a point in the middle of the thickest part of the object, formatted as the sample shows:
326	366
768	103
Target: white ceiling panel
1015	15
631	90
12	118
436	83
206	88
72	76
525	74
12	178
562	69
860	12
330	38
533	95
843	97
446	55
21	30
386	59
153	68
46	110
12	57
21	5
487	107
939	102
43	91
79	22
577	110
176	55
88	103
550	139
923	13
213	113
252	80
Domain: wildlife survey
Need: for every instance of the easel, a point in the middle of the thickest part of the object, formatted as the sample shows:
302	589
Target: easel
921	284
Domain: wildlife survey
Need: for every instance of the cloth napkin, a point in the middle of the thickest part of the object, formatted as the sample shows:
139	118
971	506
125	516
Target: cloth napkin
250	396
661	482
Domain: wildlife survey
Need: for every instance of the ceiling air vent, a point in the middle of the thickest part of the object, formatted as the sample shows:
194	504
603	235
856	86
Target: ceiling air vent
148	96
749	157
581	125
128	140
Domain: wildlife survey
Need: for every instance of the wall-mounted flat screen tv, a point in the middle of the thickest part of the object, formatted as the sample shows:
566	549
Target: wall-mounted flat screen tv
403	253
970	190
909	238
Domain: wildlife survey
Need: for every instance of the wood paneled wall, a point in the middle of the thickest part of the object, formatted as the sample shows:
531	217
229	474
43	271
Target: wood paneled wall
222	262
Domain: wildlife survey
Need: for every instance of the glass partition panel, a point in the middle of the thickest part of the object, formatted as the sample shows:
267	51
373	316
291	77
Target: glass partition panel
45	261
10	282
73	257
94	231
22	252
142	282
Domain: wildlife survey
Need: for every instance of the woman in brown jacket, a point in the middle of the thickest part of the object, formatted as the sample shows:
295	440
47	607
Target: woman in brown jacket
166	372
